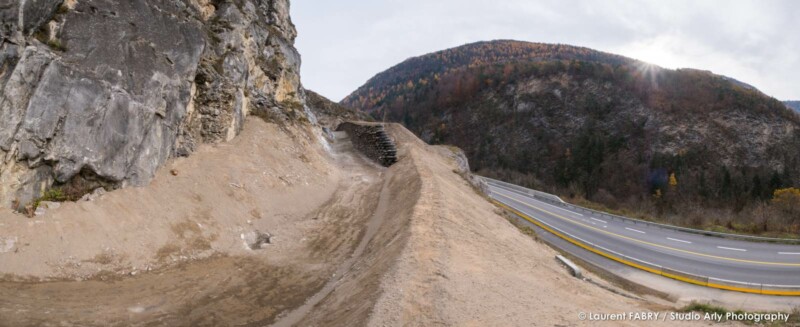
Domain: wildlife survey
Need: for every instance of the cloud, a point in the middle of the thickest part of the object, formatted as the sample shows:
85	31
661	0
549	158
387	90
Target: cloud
346	42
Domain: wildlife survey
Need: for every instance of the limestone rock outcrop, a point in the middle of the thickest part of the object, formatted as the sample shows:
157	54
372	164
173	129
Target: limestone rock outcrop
102	92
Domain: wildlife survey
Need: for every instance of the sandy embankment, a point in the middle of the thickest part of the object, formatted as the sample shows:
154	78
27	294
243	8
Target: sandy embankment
172	253
446	257
353	245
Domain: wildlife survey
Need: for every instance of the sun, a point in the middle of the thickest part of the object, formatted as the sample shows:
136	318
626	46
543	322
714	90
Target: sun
648	72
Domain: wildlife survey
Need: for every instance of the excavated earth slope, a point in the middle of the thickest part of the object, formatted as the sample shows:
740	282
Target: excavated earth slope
352	243
447	257
185	249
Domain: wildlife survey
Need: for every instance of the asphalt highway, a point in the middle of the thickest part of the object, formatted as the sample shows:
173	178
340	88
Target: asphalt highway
719	258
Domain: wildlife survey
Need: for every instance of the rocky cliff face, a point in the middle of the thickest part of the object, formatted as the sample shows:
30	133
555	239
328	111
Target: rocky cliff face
103	92
330	114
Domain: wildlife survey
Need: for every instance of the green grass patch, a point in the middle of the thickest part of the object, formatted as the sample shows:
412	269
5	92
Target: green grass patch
51	195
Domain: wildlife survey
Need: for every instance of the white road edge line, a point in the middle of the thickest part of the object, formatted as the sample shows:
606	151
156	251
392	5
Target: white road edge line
595	219
734	249
677	240
790	253
638	231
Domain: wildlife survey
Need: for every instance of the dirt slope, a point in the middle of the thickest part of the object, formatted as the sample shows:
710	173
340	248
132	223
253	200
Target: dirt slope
173	252
446	257
354	244
464	265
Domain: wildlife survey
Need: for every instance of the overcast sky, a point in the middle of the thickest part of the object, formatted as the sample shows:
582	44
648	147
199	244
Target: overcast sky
345	42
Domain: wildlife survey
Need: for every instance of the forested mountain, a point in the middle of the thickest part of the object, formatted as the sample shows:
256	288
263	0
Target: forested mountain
594	125
795	105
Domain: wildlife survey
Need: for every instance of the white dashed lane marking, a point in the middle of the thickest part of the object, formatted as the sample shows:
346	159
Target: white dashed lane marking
638	231
602	221
732	249
677	240
789	253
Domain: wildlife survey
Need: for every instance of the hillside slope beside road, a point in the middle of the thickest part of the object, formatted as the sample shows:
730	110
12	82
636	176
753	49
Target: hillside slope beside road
577	121
410	244
463	264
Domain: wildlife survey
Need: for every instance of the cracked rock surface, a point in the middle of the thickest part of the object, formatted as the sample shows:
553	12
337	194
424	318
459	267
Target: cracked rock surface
106	91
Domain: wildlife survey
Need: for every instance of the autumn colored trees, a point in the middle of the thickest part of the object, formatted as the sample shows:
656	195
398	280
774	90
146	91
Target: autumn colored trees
585	124
787	200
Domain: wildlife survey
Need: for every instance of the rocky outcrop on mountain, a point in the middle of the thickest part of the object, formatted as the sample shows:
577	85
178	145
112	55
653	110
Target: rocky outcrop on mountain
102	92
330	114
582	122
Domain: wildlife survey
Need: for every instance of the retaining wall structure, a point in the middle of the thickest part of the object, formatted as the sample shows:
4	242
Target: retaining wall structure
371	140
